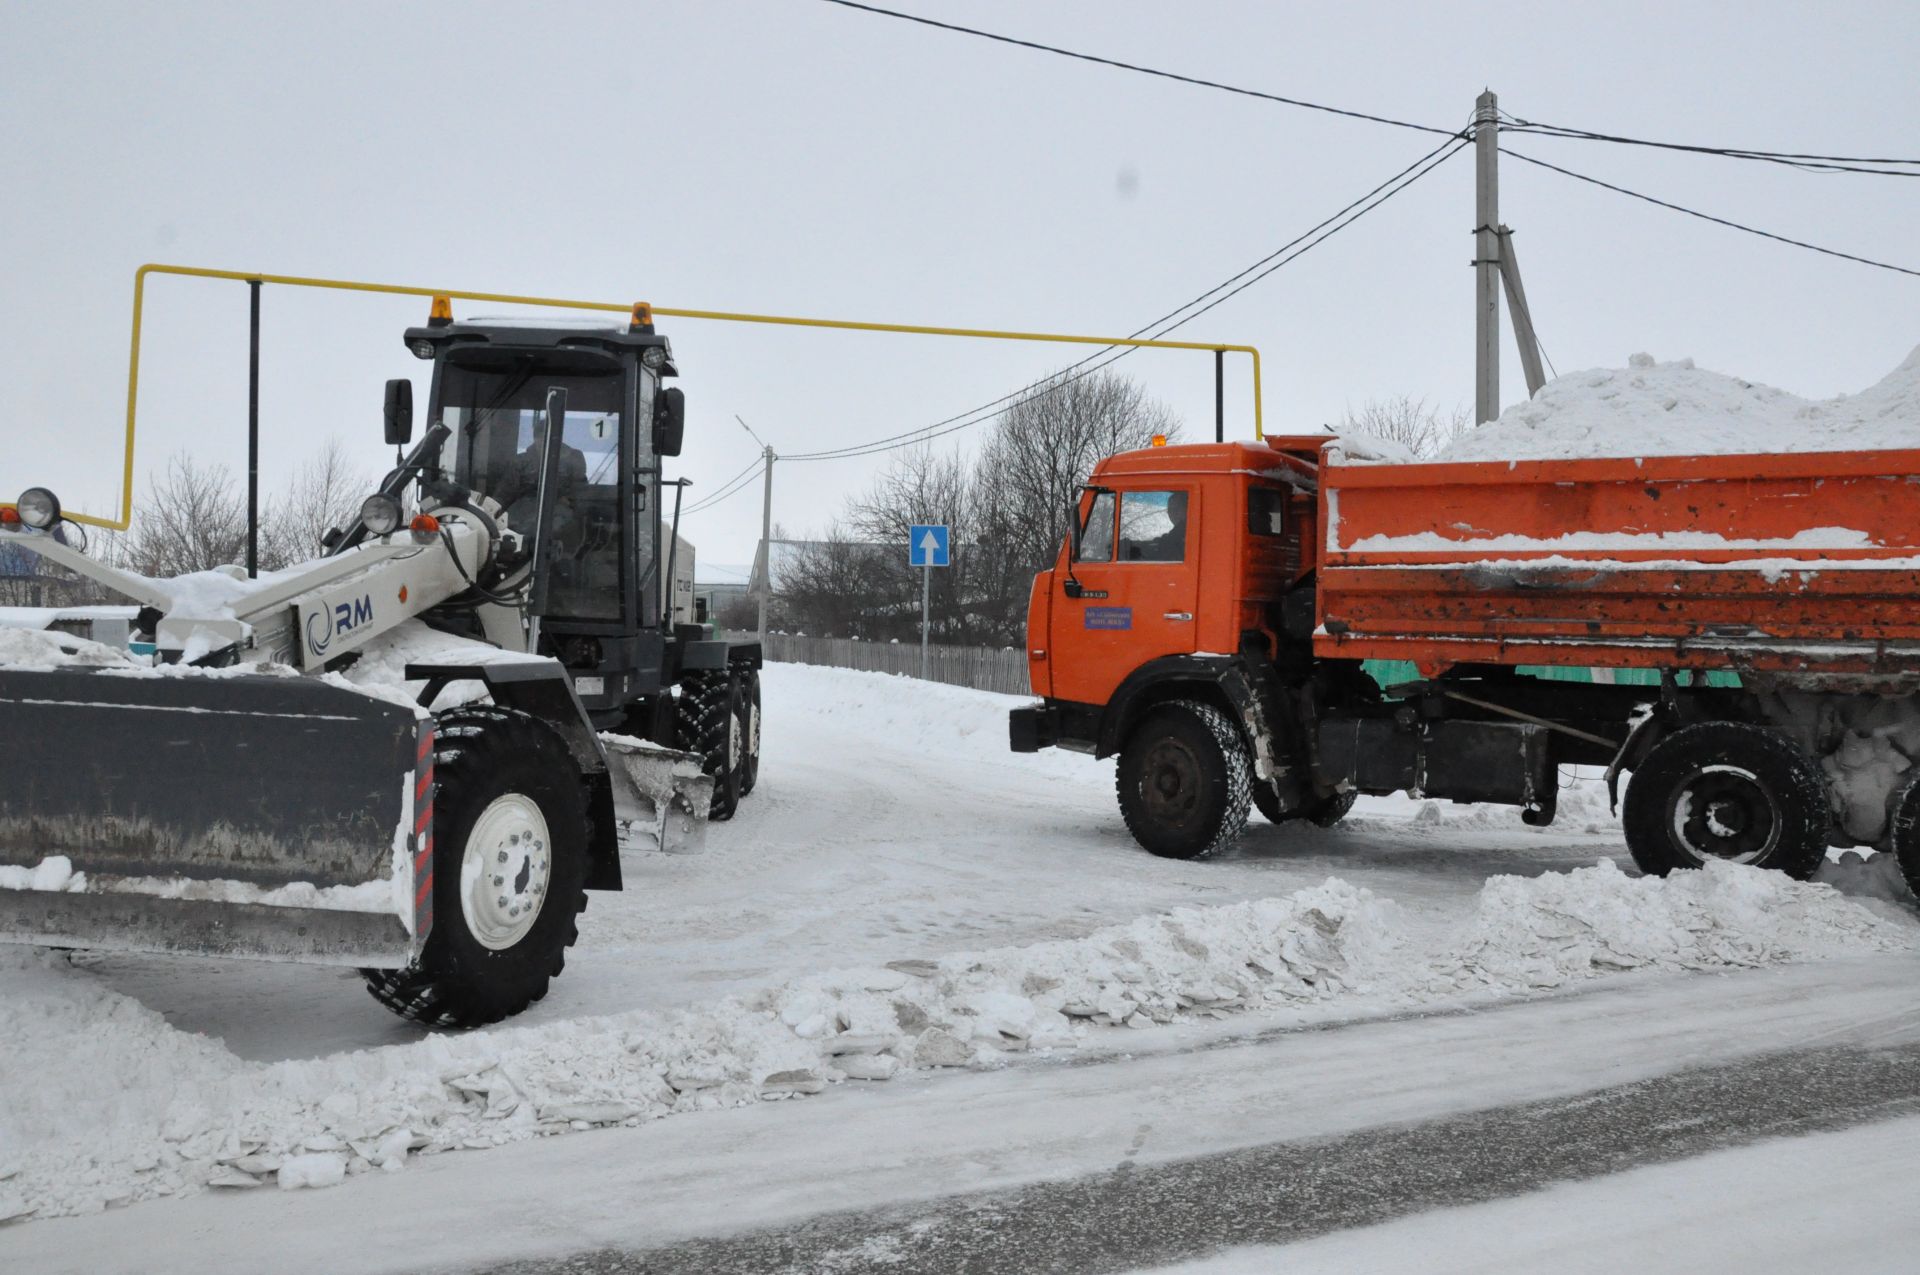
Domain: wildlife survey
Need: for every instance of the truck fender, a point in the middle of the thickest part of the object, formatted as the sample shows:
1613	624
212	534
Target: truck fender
1643	735
542	689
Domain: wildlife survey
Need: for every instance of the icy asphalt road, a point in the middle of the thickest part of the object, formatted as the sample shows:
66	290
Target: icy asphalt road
1200	1139
1133	1217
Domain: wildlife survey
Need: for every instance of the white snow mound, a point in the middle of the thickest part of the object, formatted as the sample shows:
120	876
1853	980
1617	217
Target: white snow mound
107	1103
1663	409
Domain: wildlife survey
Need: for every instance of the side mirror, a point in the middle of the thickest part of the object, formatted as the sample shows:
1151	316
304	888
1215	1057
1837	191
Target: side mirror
669	422
399	412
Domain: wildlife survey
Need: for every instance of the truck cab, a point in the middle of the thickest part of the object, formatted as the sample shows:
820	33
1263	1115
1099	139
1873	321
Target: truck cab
601	599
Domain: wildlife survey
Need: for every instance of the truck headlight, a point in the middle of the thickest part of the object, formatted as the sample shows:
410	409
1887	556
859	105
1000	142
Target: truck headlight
38	508
380	514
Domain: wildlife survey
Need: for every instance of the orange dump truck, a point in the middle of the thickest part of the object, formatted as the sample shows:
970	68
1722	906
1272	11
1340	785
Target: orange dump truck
1207	619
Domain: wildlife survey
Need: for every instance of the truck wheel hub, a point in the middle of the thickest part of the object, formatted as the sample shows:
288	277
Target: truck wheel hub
1171	782
1724	812
504	871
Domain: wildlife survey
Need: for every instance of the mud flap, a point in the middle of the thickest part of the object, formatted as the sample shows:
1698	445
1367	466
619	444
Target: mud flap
246	815
660	795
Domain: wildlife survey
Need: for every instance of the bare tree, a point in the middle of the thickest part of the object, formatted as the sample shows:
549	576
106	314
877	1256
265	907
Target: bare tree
1423	430
324	494
835	587
192	520
1030	471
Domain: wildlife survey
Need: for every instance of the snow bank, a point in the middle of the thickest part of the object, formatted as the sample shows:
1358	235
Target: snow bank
1659	409
106	1103
42	650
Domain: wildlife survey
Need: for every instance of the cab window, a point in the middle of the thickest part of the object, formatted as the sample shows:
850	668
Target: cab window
1153	526
1266	511
1096	534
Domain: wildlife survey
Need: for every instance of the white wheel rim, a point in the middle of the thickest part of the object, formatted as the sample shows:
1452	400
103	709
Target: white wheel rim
753	734
504	871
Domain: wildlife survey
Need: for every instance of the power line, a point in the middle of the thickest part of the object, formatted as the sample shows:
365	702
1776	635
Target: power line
719	496
1792	159
726	488
1142	70
1718	221
1166	323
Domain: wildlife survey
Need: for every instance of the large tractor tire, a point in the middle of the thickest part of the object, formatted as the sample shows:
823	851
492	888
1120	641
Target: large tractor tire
509	872
707	722
749	706
1727	791
1184	781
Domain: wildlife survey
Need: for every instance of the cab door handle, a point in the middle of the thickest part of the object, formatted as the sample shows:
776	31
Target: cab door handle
1177	615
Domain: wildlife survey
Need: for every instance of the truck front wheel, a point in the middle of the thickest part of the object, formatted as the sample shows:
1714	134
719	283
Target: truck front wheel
1184	781
509	872
1731	792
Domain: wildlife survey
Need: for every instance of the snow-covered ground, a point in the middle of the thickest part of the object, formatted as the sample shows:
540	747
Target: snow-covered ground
900	894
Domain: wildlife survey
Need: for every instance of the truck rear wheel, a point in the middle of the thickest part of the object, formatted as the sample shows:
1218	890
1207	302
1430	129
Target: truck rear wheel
707	722
1731	792
509	872
1184	781
1903	830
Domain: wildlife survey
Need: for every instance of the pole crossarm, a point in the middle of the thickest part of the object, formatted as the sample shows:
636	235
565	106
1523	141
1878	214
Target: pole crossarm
615	307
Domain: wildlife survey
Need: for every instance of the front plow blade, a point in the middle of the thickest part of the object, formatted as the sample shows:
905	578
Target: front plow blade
213	815
660	795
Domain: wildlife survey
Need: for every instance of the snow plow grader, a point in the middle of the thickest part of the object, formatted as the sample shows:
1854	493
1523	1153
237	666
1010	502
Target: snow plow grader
255	792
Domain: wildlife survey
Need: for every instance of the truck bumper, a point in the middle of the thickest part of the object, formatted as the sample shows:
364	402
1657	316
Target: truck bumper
1032	728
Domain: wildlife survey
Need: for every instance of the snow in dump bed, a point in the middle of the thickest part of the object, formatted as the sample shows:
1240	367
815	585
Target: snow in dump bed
105	1102
1661	409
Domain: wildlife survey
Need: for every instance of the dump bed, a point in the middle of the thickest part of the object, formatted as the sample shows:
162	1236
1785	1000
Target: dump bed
1803	564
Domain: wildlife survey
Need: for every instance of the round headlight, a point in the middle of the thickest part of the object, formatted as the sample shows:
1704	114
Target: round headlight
423	349
39	508
653	358
380	514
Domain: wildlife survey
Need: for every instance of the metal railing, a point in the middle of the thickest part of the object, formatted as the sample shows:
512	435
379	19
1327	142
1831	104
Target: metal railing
254	279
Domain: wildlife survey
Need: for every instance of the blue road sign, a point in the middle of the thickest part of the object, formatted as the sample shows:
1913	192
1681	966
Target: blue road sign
927	545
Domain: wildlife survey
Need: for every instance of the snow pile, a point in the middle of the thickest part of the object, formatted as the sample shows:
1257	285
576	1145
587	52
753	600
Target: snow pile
1661	409
54	874
41	650
106	1103
1551	930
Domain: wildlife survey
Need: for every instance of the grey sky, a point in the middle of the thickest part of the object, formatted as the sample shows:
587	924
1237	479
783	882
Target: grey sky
793	157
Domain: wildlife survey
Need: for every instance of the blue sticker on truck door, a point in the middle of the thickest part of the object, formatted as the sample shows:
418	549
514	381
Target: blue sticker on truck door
1108	617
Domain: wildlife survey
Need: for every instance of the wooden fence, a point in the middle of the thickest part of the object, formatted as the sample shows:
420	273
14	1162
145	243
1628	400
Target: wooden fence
984	668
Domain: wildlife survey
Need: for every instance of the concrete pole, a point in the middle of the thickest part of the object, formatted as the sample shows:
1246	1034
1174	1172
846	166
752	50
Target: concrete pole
1523	333
1486	259
766	542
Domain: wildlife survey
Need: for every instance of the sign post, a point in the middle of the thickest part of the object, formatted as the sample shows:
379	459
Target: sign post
926	549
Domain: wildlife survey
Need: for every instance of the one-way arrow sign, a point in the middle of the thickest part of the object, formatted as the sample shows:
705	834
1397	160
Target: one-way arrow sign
927	545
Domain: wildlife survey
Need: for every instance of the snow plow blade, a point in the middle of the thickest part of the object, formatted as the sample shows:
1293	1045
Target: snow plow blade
275	818
660	795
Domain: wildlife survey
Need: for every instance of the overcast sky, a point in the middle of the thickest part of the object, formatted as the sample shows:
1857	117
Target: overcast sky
791	156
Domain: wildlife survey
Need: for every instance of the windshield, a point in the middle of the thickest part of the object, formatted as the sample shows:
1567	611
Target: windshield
496	406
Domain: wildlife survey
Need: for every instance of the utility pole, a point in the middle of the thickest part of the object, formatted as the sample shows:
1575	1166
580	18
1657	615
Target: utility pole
1486	258
766	541
762	581
1523	334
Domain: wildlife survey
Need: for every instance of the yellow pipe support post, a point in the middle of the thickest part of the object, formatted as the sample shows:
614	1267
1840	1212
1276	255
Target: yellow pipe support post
561	303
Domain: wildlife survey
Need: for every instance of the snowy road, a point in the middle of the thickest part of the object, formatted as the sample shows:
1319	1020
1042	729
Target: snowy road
846	1181
891	823
892	826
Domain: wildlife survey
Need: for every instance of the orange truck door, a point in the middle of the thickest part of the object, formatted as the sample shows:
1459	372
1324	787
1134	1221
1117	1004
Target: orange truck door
1138	574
